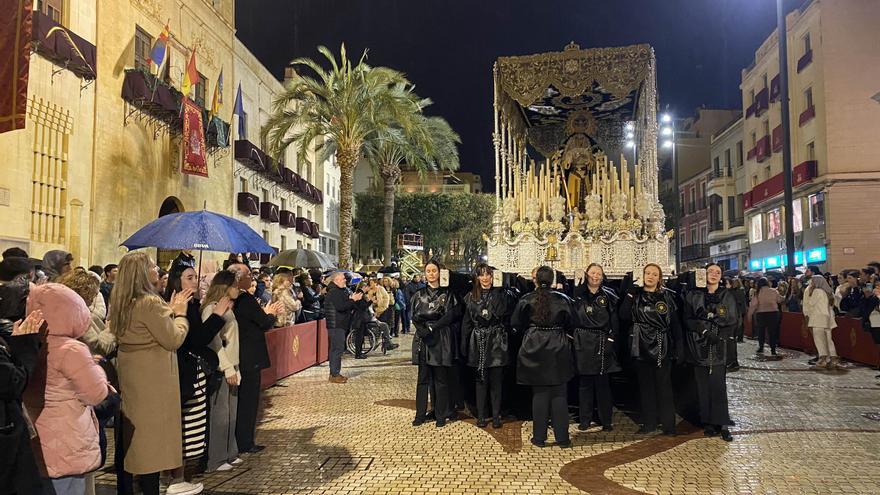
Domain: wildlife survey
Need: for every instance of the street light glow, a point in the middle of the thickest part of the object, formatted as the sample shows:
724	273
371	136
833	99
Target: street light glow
667	143
630	135
666	118
666	131
630	127
630	144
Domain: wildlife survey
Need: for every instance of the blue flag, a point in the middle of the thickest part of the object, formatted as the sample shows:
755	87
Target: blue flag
239	110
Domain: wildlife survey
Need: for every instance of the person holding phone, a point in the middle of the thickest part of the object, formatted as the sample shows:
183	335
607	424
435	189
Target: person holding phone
594	347
711	317
435	345
485	347
655	342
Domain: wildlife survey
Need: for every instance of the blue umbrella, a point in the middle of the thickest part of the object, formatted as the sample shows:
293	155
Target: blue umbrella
199	230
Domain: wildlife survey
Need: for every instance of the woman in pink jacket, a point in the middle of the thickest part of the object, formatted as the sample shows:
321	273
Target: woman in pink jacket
61	395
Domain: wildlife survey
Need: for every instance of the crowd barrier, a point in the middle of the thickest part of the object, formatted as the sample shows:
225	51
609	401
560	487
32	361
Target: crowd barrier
294	348
851	341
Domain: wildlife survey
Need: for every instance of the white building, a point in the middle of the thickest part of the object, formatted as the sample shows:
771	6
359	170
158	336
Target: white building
728	243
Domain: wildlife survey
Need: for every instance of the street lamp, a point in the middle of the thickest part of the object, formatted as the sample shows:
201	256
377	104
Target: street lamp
782	36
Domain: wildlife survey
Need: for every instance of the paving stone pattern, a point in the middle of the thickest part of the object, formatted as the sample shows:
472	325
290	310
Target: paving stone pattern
797	432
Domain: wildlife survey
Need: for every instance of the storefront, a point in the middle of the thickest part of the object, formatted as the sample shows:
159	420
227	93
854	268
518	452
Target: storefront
731	255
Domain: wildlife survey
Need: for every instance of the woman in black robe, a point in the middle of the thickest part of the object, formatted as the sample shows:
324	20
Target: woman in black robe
594	351
435	345
655	343
711	317
545	361
485	346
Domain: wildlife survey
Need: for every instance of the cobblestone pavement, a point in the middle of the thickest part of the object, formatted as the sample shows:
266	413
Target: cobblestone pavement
797	431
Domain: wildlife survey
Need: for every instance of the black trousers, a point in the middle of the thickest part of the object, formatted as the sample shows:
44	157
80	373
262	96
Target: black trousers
597	386
336	337
712	393
489	386
125	480
435	378
456	391
550	404
732	357
655	390
768	326
248	406
358	342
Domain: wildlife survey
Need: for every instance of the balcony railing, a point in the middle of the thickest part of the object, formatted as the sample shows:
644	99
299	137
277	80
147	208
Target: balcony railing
762	149
807	115
736	222
716	226
694	252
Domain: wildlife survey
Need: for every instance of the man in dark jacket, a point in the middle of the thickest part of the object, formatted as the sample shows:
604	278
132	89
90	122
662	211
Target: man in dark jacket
253	322
338	305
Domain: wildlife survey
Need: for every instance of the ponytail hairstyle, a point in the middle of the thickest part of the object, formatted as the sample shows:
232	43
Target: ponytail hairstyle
545	277
480	269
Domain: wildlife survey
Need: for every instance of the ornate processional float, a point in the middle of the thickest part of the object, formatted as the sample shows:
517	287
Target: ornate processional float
575	206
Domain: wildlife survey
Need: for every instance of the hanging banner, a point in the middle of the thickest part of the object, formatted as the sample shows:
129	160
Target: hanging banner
16	24
194	160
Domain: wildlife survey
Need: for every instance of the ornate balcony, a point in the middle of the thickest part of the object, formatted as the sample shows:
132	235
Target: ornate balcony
248	203
287	219
269	212
63	47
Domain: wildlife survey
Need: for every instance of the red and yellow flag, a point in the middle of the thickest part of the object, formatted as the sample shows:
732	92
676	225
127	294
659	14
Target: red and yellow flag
190	75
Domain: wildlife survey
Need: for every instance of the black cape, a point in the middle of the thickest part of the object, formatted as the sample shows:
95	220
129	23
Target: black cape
595	337
434	314
656	331
707	316
484	328
545	357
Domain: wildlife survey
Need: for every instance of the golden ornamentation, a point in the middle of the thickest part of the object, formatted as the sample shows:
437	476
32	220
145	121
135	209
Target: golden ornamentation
661	308
618	70
205	51
152	8
295	345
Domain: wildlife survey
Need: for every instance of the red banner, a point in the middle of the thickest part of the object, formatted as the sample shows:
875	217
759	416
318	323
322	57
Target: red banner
194	159
16	24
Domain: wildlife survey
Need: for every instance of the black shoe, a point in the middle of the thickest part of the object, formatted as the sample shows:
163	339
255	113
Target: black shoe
607	428
482	423
496	422
419	421
564	445
255	449
646	430
726	436
773	352
430	415
709	431
813	361
440	423
583	427
362	356
538	443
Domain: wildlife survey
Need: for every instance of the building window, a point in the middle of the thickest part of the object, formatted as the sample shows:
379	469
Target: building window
752	96
766	128
808	98
682	239
739	154
693	203
143	44
731	209
299	244
811	151
767	172
694	235
265	195
283	204
266	235
702	195
716	166
309	215
201	90
754	180
705	236
756	231
681	203
299	211
243	184
774	223
754	139
764	80
52	8
284	243
727	163
817	209
243	124
797	216
807	44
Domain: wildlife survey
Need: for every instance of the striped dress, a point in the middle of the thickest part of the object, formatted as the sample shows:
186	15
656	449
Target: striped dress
195	419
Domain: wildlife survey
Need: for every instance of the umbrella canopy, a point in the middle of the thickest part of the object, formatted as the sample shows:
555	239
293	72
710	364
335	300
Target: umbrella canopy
302	258
199	230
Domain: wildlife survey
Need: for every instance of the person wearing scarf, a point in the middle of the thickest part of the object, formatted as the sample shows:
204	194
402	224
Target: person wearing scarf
819	311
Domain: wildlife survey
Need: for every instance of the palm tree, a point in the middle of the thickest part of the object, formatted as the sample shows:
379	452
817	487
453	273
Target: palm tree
431	145
347	105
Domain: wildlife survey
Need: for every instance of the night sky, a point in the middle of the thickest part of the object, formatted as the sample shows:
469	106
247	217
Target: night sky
447	48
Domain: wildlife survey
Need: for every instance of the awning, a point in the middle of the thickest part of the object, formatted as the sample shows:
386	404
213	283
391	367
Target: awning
64	47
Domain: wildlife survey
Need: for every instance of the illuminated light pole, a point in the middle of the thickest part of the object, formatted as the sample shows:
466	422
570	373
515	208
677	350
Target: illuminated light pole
782	36
668	132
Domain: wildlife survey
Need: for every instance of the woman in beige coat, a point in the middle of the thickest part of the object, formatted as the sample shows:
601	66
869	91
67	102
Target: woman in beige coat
818	302
148	332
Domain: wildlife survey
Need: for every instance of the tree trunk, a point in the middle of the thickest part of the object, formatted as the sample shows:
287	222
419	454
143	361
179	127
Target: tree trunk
347	160
388	220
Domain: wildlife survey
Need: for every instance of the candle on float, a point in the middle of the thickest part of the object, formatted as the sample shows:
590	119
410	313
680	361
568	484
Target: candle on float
631	201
